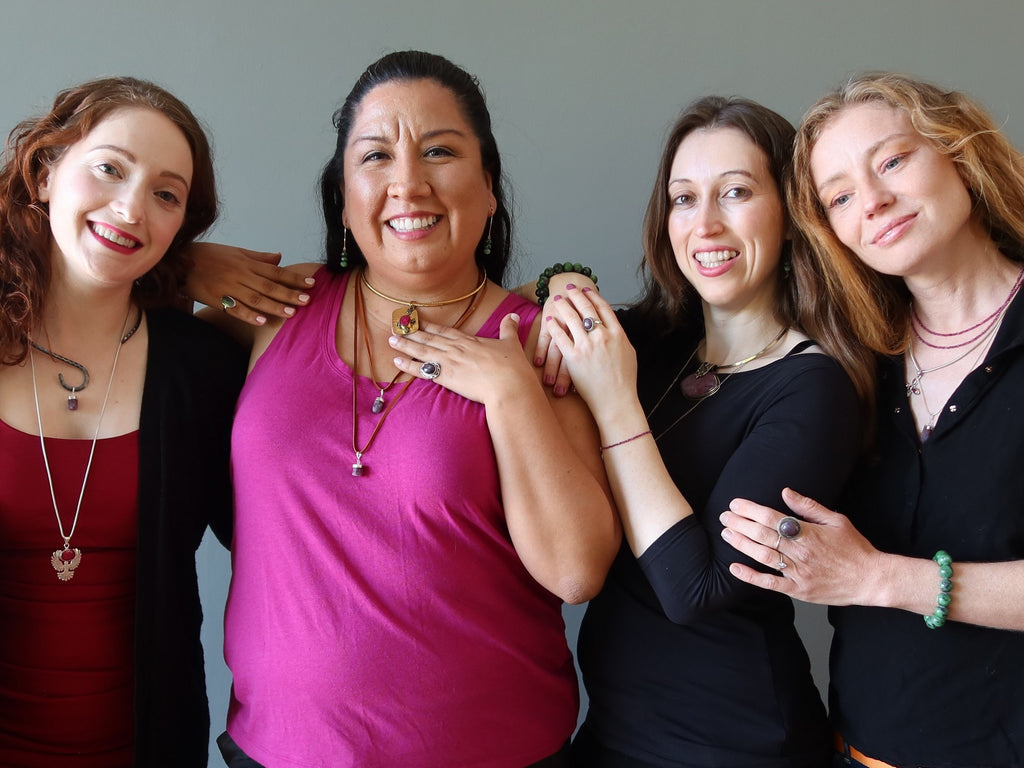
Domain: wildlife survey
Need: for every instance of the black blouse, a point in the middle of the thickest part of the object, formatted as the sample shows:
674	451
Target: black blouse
684	664
901	692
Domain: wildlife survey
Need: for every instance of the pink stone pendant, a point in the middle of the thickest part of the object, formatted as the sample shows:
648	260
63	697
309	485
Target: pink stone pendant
405	321
72	402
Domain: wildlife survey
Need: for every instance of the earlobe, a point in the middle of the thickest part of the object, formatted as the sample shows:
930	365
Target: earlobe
43	186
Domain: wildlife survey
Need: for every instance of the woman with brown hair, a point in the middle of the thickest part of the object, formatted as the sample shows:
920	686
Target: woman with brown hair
684	665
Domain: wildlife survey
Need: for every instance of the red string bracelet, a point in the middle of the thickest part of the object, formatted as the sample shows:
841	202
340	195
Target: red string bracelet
627	440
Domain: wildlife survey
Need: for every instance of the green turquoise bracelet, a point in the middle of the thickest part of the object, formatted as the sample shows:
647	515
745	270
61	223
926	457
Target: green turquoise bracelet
557	269
943	600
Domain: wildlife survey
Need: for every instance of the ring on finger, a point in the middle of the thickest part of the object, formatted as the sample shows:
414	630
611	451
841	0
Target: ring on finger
777	543
788	528
430	370
228	302
781	565
590	323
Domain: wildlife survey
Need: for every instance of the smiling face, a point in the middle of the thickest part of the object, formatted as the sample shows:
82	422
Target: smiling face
726	220
117	198
416	194
889	195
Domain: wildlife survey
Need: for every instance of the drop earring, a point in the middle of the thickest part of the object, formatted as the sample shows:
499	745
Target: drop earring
343	261
488	243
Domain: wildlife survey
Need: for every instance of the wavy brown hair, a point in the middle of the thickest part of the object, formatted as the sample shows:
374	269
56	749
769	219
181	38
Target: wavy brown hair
956	126
804	299
37	144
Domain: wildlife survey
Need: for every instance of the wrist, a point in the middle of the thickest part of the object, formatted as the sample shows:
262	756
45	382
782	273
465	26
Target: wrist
543	281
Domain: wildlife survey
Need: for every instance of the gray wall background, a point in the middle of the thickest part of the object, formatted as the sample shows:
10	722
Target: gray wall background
581	95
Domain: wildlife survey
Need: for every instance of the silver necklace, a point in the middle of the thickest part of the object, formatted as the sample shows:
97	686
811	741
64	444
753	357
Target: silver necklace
707	389
67	559
914	385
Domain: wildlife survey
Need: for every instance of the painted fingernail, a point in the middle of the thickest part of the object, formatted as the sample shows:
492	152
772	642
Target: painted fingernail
560	390
587	289
289	311
557	297
260	320
570	286
547	317
303	298
548	380
310	281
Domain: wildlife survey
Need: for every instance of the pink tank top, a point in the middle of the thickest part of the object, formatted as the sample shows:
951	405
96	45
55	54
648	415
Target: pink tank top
382	620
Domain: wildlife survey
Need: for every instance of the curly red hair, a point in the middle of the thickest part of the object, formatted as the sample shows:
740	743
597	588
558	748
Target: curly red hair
25	240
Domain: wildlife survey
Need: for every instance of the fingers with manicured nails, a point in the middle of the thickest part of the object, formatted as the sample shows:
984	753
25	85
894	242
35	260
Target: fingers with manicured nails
252	278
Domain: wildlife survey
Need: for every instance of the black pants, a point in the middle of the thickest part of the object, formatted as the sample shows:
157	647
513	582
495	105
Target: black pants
234	757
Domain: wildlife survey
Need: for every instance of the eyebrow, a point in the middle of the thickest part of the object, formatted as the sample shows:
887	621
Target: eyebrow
870	151
426	135
722	175
132	159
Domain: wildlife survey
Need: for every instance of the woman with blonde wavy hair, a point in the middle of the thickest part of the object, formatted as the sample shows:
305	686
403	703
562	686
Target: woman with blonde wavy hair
914	202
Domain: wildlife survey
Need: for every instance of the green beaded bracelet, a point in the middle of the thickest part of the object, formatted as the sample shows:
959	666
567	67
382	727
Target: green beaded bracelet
943	600
557	269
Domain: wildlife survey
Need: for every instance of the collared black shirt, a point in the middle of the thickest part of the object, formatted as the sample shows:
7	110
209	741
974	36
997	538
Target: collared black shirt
901	692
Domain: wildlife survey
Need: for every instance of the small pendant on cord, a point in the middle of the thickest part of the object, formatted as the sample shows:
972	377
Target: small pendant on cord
72	402
378	404
65	561
358	470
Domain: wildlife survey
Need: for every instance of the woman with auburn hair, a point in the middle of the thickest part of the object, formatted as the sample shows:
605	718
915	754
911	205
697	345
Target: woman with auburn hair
737	353
914	201
115	418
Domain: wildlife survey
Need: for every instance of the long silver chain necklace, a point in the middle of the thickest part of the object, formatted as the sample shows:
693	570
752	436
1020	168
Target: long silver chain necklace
67	559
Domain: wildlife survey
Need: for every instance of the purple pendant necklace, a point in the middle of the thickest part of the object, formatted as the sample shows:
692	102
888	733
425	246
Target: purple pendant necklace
704	382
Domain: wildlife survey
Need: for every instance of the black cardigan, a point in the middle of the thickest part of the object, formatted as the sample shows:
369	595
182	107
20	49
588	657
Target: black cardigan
193	376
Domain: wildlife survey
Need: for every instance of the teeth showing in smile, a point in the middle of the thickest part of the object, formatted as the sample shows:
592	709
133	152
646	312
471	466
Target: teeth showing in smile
112	236
709	259
413	223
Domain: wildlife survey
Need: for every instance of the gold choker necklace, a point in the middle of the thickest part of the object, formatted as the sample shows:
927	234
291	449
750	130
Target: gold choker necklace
406	319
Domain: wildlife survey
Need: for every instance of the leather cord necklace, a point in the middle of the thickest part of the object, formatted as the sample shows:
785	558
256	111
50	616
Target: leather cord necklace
74	390
358	468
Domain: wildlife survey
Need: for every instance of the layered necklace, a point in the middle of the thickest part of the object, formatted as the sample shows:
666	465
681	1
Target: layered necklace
985	328
74	390
67	559
705	382
406	319
358	468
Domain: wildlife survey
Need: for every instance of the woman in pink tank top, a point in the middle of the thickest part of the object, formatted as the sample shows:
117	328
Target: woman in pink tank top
399	562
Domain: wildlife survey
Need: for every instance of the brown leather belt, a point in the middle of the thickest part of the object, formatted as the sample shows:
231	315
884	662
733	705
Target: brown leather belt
845	748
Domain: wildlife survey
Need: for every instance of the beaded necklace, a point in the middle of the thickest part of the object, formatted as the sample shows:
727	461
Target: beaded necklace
991	320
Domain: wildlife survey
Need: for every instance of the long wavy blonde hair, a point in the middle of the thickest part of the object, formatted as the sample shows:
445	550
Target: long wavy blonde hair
956	126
